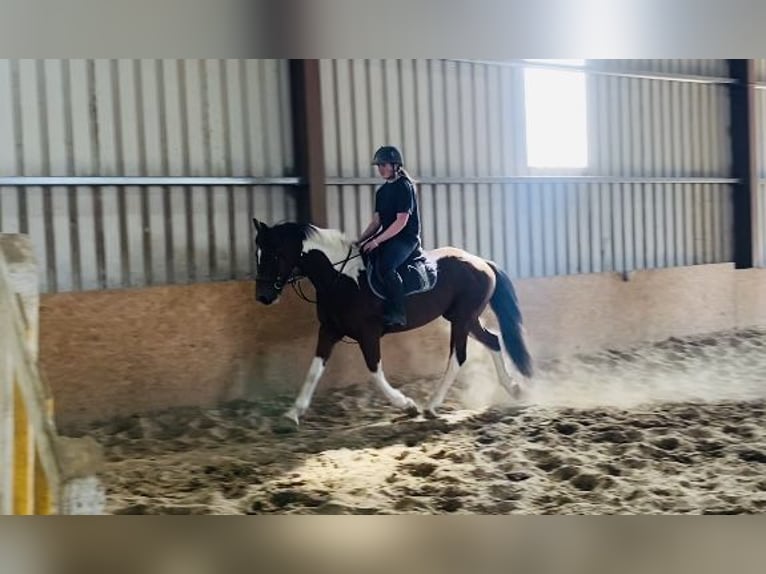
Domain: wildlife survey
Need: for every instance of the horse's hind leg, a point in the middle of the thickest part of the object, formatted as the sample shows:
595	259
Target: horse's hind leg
371	351
492	342
458	353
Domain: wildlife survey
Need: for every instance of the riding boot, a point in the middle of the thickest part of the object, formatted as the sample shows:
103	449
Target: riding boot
394	313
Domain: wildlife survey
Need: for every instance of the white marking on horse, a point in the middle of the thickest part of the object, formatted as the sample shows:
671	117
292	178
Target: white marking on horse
395	396
307	391
437	398
513	388
335	245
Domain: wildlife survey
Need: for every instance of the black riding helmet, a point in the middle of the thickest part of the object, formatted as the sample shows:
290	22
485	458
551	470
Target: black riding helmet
387	154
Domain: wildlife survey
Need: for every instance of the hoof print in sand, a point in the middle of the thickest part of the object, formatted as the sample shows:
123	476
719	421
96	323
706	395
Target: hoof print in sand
420	469
449	504
618	436
752	455
567	429
585	482
667	443
566	472
284	498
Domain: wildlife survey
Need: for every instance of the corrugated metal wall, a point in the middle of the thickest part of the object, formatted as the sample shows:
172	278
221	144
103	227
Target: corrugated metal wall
199	118
460	125
759	254
656	194
647	128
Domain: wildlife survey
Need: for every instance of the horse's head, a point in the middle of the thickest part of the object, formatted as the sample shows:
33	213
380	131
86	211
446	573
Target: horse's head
277	252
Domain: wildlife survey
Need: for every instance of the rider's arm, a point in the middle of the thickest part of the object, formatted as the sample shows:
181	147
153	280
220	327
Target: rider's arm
372	228
394	228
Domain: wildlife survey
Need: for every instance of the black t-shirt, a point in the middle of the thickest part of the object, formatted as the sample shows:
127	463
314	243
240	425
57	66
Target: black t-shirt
398	196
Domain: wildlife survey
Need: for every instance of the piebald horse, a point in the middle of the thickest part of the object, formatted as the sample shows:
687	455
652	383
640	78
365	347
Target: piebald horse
347	307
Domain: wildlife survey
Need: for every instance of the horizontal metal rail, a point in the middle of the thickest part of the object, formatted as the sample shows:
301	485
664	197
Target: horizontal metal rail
660	76
537	179
72	181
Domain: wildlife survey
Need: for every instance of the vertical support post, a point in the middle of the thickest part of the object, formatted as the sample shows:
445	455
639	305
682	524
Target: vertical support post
744	161
43	499
7	424
23	458
306	102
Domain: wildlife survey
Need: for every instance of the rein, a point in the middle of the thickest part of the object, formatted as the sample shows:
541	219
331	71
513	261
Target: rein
295	282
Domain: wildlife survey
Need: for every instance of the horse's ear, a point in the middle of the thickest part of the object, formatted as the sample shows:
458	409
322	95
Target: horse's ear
259	226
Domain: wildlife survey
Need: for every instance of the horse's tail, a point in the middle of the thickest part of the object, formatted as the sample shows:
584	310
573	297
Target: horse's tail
506	306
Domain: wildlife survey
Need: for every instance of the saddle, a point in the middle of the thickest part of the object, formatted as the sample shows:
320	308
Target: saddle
418	275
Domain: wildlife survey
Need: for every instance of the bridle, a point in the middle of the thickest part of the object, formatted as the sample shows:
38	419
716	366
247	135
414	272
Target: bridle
294	279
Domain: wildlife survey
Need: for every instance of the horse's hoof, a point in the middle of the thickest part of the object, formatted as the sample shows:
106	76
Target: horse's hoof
517	392
283	425
412	411
292	416
430	413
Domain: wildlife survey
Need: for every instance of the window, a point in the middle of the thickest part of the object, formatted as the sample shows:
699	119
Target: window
556	122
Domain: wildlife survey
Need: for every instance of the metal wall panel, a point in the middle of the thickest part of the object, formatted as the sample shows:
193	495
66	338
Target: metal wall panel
760	70
207	118
654	128
459	120
759	253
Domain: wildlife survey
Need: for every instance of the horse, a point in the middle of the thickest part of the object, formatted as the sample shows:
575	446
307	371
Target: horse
347	306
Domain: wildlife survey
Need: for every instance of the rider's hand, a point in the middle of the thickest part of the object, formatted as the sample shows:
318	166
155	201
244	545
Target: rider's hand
370	246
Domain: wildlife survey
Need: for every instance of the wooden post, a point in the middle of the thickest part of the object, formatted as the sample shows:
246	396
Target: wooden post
23	458
306	100
744	162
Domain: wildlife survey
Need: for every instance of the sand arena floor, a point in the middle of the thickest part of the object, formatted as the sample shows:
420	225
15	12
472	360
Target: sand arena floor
674	427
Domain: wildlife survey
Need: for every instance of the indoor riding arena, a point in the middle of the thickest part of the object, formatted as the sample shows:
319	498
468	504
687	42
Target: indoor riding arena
625	199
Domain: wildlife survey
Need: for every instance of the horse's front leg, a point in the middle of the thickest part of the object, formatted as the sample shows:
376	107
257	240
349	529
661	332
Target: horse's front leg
325	344
371	350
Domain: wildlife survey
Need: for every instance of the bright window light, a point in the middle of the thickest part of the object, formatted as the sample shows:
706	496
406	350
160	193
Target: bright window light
556	123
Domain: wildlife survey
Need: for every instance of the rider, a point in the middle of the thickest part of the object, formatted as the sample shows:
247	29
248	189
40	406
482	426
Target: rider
394	232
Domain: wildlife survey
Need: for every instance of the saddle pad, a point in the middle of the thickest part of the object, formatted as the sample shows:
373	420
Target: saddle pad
418	275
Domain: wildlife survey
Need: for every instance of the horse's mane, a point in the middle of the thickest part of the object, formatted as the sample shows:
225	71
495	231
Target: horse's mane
302	230
332	242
